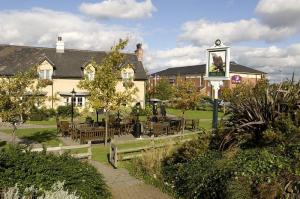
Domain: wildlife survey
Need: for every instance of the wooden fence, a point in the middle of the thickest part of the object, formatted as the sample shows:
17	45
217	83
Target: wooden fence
116	155
61	149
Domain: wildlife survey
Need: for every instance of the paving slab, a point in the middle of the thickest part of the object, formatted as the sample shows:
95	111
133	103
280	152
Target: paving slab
125	186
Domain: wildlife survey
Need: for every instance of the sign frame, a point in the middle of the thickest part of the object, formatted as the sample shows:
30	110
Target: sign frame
218	48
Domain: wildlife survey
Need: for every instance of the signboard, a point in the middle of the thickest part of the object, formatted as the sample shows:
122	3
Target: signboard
217	63
218	59
236	79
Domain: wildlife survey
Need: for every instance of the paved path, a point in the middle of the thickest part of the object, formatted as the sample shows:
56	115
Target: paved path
5	125
124	186
121	183
8	139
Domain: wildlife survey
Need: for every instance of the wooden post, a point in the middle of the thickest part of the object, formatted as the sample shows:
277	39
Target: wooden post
90	150
60	150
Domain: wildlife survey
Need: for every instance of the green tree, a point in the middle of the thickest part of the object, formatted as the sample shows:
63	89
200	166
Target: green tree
18	95
102	89
186	96
163	89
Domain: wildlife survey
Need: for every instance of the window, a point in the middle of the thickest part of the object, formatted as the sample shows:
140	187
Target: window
89	74
79	101
127	75
45	74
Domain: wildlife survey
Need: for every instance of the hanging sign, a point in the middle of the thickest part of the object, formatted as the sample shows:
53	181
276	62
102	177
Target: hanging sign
218	59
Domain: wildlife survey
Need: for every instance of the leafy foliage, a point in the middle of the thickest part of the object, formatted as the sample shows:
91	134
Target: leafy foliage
163	90
66	111
103	88
57	191
39	114
15	99
255	111
186	96
41	171
18	94
216	174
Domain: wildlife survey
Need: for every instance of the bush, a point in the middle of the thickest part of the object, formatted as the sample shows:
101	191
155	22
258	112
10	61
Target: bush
57	191
259	109
39	114
200	178
42	170
232	174
66	111
147	111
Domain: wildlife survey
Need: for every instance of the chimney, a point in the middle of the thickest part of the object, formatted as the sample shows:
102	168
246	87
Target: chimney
139	52
60	45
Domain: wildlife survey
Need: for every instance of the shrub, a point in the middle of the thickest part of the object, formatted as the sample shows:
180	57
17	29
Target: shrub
147	111
39	114
57	191
254	110
66	111
232	174
200	178
42	170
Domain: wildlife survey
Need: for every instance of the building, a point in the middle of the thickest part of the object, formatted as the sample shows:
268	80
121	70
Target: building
64	68
238	74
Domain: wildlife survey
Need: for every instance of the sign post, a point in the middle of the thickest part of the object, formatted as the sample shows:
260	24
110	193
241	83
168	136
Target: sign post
217	70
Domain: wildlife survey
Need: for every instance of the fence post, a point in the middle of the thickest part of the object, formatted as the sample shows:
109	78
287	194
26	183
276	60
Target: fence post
152	142
90	150
60	150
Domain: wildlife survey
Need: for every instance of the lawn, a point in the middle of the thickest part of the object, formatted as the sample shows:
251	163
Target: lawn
51	121
193	114
47	137
205	117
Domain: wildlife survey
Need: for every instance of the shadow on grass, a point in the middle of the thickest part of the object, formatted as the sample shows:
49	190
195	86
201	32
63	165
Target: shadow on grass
2	143
39	137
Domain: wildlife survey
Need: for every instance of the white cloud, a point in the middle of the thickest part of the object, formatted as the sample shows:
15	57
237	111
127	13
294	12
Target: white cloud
279	13
41	27
277	62
123	9
204	32
180	56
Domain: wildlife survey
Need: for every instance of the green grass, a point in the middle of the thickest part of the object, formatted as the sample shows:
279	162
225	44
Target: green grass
193	114
100	152
51	121
47	137
205	117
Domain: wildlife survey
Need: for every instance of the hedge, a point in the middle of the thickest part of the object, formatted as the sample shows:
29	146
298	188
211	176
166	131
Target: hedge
42	170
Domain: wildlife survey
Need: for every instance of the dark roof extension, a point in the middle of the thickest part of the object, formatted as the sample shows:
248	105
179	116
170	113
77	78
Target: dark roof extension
200	69
67	65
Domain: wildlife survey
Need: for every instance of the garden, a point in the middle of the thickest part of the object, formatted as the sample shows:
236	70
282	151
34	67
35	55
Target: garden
253	154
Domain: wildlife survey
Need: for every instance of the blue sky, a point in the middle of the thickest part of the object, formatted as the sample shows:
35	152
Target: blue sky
263	34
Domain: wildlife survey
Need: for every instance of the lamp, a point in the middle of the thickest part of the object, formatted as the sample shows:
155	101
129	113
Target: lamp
137	125
73	93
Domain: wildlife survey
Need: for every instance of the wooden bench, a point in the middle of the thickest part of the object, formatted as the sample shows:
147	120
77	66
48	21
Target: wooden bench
92	134
192	124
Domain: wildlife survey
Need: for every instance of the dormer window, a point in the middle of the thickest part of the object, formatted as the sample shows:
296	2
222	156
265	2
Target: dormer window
127	75
90	75
45	74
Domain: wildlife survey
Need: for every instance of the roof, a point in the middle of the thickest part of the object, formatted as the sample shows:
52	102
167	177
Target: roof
67	65
200	69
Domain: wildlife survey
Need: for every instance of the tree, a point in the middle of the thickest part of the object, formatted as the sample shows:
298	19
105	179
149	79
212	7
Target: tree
163	89
102	87
18	95
186	96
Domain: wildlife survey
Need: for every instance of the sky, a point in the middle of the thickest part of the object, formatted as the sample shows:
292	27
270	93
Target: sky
262	34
